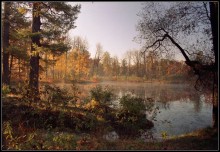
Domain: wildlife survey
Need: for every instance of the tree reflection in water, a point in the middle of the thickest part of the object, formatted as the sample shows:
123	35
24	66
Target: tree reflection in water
174	108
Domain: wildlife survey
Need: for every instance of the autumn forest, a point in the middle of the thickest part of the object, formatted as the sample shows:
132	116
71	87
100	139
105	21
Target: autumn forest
56	95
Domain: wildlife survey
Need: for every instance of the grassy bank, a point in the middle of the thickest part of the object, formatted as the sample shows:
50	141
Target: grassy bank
204	139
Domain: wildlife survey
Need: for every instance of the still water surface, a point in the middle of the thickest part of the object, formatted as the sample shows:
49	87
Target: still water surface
181	109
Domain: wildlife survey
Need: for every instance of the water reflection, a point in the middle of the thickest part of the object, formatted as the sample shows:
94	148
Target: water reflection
181	109
175	109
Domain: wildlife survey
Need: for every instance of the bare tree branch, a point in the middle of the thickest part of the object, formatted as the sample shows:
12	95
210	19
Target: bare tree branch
179	47
207	14
159	40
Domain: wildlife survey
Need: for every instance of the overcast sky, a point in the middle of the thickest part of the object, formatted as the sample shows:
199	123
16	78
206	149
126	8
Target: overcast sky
113	24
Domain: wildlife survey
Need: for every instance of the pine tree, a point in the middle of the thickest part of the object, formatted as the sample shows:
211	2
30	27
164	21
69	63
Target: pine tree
56	19
6	25
15	28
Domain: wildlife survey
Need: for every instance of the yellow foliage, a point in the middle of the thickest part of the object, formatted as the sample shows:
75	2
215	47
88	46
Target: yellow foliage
78	64
100	118
92	104
78	104
22	10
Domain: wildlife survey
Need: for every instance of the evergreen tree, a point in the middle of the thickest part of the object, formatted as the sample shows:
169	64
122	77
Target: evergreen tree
6	25
15	29
50	22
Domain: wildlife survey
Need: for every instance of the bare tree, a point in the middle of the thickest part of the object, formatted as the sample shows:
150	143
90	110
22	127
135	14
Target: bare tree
136	57
96	61
188	27
128	56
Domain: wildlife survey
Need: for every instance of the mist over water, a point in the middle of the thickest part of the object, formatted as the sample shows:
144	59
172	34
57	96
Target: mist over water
181	109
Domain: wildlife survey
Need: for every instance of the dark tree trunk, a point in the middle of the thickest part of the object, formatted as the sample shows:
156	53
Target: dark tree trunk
214	26
6	24
34	60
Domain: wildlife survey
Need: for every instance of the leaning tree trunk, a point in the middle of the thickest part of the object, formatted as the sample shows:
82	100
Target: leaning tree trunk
214	26
34	60
5	76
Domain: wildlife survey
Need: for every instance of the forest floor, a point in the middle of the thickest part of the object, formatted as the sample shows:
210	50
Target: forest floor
32	127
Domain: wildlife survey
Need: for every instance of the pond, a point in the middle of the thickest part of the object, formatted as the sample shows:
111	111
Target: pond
178	108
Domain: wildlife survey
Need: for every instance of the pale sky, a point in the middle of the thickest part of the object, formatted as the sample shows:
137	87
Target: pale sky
112	24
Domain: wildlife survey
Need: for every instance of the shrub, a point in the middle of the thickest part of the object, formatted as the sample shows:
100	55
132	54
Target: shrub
55	95
100	101
132	104
131	116
12	141
75	92
102	95
91	105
